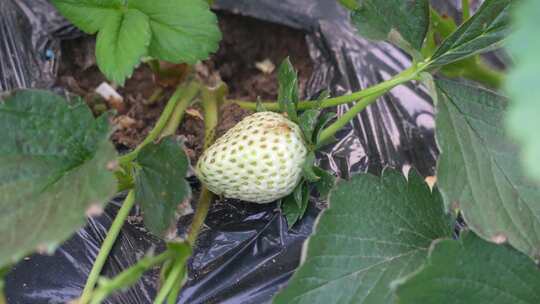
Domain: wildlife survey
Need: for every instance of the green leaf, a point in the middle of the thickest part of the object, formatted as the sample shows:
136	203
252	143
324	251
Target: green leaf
170	30
54	159
376	230
472	271
121	42
295	205
402	22
307	168
160	184
88	15
307	122
479	171
484	31
124	179
322	123
288	89
182	31
522	120
325	183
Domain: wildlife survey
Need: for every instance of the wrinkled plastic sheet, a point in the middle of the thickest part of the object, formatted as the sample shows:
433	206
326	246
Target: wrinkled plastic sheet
245	253
30	35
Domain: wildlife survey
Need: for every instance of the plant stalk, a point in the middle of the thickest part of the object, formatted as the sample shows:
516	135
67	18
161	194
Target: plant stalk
160	124
328	133
203	205
175	290
129	276
368	98
173	282
210	107
174	277
335	101
177	114
106	247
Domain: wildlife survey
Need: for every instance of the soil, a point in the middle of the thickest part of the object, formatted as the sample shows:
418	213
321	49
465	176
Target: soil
246	42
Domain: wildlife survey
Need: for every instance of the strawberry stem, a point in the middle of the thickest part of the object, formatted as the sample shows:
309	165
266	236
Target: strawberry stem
172	285
366	97
174	278
106	247
130	275
191	91
154	134
335	101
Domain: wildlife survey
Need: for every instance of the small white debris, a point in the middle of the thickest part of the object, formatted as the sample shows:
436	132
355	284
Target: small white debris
266	66
113	98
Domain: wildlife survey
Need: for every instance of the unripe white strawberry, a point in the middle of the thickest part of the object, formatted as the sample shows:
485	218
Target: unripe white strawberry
259	160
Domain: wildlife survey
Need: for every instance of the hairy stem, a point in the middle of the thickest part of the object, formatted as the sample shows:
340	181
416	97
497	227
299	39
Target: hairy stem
175	290
210	106
368	98
335	101
203	205
130	276
106	247
173	282
174	277
328	133
160	124
177	114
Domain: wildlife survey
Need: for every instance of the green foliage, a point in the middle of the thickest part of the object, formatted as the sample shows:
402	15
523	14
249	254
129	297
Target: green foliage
325	183
307	122
376	230
522	120
379	231
307	169
472	271
479	171
54	157
288	89
323	121
484	31
295	205
175	31
182	31
121	42
402	22
160	184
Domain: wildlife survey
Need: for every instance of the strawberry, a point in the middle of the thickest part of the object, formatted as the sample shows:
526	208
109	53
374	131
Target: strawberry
259	160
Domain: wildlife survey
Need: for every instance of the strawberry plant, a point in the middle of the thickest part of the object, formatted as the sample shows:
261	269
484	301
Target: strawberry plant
383	239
